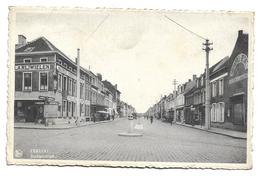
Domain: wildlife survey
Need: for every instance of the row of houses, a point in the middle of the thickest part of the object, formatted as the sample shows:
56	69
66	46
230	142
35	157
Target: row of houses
228	94
50	85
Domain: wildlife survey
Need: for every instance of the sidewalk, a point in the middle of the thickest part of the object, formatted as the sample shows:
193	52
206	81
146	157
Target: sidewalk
58	126
221	131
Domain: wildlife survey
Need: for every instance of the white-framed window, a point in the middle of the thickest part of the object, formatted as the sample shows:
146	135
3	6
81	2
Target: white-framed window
221	86
43	81
27	60
27	81
44	59
214	89
213	113
59	81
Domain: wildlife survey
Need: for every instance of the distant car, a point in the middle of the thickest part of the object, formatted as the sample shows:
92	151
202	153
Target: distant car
130	117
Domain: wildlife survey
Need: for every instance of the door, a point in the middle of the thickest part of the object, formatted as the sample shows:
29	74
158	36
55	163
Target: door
238	111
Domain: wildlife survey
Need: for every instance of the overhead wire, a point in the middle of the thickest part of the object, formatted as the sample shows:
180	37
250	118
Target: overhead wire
194	33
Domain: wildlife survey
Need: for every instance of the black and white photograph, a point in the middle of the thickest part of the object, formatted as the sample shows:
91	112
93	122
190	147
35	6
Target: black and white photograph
130	88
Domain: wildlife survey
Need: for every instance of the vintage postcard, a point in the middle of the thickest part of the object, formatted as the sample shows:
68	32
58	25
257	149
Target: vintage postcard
130	88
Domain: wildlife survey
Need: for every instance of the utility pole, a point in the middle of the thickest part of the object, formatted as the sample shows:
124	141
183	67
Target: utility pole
207	87
78	85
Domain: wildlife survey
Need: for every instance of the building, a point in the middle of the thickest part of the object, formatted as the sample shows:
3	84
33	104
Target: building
115	96
46	84
189	101
229	88
179	105
219	92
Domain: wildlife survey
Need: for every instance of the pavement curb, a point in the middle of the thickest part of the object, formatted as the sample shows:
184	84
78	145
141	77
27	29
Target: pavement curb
67	127
215	132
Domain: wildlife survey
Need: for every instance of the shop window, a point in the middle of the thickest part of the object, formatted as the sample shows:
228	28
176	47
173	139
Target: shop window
27	60
43	81
27	81
44	59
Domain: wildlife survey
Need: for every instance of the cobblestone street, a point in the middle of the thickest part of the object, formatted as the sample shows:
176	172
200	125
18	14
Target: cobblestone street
160	142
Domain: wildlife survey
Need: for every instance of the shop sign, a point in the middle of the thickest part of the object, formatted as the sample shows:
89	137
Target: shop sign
238	78
33	67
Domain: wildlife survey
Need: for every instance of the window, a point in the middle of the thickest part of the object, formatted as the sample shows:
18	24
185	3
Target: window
69	106
64	87
59	81
59	62
27	81
81	90
65	65
43	81
221	112
29	49
74	90
70	86
44	59
221	86
214	89
64	105
212	113
27	60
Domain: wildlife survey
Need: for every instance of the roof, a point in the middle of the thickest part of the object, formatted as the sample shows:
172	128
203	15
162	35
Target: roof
189	86
222	63
41	44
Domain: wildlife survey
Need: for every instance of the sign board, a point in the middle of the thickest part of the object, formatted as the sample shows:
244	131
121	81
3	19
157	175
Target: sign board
50	110
33	67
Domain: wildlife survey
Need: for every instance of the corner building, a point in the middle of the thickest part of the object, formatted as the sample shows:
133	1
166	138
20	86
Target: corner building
46	84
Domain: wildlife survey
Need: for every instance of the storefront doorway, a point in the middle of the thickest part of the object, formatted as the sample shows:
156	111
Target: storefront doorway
239	111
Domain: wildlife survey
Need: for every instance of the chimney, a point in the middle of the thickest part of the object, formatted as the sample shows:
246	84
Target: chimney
21	40
194	77
240	32
116	86
99	76
189	80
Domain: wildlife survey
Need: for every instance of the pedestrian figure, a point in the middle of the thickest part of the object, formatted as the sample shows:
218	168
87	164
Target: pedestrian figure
151	119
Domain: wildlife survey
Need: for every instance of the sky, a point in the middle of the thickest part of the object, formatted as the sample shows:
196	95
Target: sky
140	51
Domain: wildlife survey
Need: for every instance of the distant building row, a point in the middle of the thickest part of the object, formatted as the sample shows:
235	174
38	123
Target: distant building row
46	87
228	82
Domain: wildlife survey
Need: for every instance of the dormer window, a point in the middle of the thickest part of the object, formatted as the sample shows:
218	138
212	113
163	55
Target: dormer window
29	49
27	60
59	62
44	59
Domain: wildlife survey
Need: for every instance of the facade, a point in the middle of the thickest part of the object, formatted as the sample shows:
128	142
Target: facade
219	92
189	101
50	88
179	105
46	84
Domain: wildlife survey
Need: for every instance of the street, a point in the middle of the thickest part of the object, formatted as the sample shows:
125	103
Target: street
160	142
